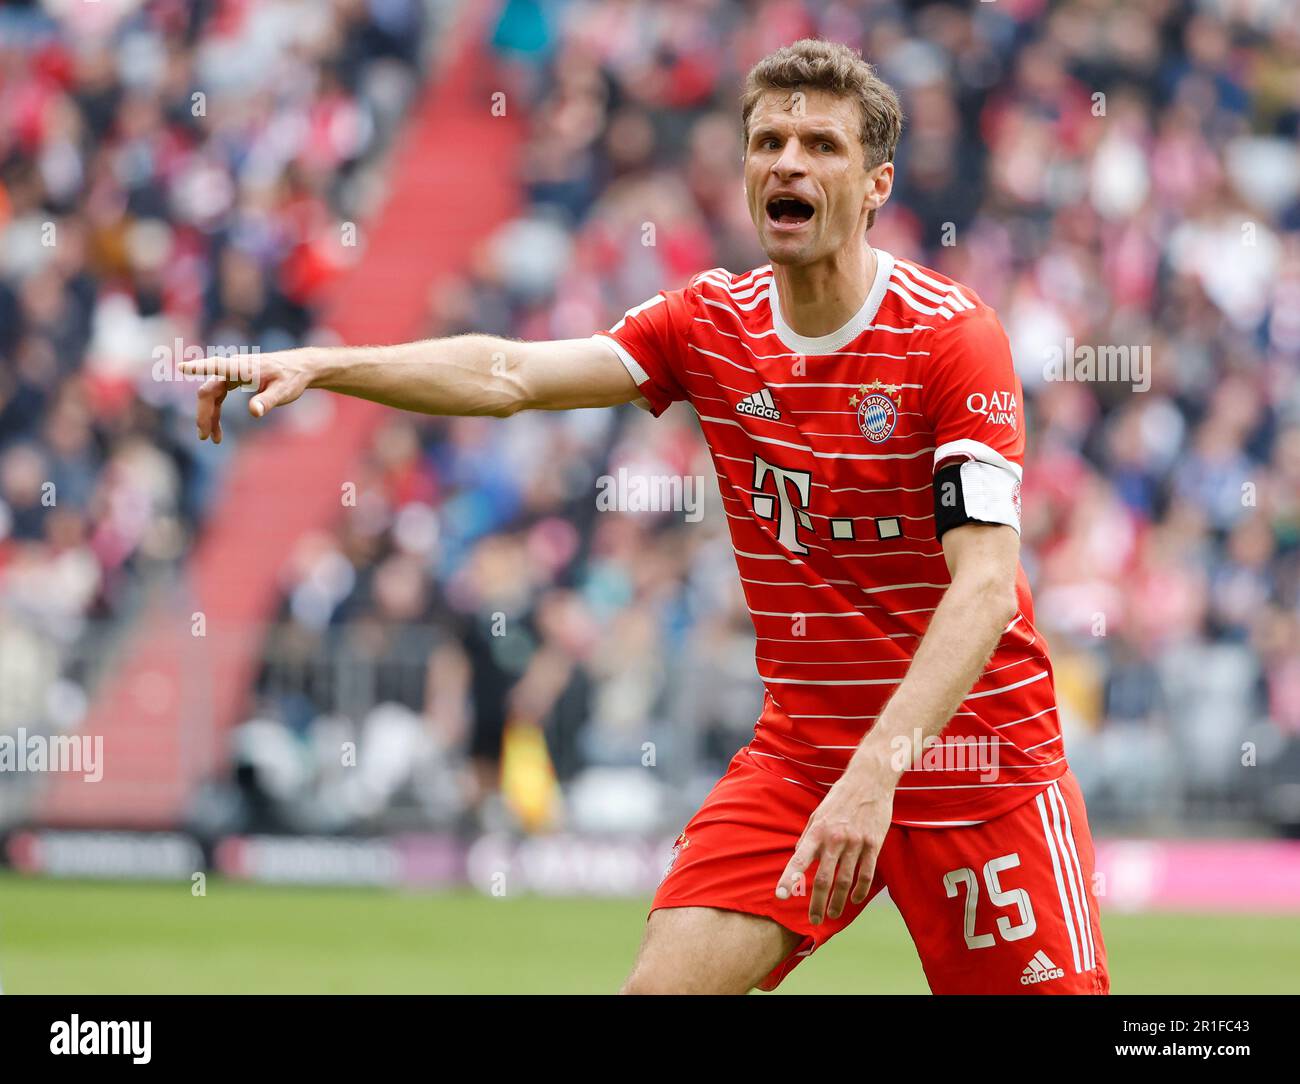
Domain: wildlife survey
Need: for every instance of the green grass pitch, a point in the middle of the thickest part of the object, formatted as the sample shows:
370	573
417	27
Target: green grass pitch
97	937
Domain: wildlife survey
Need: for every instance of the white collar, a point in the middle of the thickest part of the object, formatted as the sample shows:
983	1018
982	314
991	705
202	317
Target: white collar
835	340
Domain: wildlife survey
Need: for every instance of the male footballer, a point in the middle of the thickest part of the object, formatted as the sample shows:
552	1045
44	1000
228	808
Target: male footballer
866	425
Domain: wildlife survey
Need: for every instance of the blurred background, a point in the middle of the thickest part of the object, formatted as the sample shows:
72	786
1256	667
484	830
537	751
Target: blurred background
352	647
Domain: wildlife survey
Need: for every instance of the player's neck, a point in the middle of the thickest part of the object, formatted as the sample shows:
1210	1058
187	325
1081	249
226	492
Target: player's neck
818	299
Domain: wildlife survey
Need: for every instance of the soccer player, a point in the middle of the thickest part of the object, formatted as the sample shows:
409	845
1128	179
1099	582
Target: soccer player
867	430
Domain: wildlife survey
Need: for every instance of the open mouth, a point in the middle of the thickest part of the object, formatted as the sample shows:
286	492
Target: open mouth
788	211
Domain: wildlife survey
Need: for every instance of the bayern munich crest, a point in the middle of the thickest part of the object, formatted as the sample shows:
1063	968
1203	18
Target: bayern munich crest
878	406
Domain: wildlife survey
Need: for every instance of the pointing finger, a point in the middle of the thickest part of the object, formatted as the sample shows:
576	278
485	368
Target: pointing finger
241	369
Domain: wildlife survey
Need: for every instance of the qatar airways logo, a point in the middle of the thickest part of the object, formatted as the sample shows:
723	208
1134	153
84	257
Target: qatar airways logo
996	407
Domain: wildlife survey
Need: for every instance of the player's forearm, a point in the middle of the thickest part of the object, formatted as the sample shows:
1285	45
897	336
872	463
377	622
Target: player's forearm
963	633
467	374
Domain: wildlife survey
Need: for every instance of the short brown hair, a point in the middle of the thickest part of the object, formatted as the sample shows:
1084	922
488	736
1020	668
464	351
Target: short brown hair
813	64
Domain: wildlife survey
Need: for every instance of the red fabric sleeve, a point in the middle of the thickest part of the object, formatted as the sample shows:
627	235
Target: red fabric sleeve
651	341
972	396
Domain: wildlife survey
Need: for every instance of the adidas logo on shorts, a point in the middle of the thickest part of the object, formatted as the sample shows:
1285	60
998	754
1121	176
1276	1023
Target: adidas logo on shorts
1040	969
760	405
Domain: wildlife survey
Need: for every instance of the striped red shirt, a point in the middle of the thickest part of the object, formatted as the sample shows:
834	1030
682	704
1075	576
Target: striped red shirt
826	449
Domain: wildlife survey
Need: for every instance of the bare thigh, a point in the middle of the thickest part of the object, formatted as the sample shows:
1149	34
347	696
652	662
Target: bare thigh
703	950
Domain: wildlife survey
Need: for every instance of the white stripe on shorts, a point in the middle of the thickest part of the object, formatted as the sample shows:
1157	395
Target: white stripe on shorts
1085	896
1041	802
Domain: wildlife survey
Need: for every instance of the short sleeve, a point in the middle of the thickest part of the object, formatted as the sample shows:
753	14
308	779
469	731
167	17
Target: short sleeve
973	402
650	341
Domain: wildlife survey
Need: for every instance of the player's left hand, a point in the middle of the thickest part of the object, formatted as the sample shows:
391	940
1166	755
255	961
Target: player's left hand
844	836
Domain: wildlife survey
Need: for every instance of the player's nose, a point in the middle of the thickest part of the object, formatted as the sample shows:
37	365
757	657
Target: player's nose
791	162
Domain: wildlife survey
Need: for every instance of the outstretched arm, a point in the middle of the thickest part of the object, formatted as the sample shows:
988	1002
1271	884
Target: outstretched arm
466	374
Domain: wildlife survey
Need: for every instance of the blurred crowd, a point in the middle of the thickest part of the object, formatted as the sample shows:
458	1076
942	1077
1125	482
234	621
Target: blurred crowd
172	177
1102	172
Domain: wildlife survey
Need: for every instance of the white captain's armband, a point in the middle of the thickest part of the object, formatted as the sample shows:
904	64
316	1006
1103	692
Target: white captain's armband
983	487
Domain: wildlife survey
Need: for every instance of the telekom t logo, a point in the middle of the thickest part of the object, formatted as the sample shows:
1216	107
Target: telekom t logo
765	508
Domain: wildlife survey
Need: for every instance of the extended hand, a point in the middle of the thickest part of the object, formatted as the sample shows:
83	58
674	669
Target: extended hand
280	377
844	835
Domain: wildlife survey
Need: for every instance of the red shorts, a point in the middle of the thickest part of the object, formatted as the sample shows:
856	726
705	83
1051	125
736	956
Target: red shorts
1001	907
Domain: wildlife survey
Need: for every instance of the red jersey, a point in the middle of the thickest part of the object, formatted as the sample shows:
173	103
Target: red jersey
826	450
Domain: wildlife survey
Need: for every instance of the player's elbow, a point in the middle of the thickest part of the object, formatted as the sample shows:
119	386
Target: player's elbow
506	404
997	597
506	386
989	593
984	568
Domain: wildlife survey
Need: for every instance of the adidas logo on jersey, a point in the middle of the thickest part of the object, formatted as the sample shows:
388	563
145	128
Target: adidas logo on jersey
760	405
1040	969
